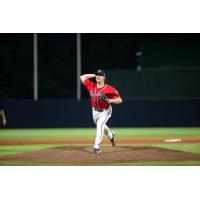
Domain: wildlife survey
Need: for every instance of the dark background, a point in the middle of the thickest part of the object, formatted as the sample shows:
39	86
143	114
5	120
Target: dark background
157	75
57	60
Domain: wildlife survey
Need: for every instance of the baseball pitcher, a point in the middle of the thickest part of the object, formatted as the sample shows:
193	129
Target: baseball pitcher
102	96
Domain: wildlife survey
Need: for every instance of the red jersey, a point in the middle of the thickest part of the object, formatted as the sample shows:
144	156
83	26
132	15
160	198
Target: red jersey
95	94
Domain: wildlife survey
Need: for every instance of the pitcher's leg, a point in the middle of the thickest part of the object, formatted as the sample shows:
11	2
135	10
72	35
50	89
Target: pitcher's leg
108	132
100	129
95	116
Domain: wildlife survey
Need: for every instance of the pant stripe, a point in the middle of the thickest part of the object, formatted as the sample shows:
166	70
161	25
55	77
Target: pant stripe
102	127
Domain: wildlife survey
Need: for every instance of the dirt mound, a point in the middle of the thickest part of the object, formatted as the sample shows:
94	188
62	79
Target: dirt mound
84	156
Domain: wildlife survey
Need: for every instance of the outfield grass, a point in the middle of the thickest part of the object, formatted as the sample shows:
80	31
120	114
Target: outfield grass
90	132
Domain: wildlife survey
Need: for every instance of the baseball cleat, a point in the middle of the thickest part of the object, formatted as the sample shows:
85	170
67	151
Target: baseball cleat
96	151
113	140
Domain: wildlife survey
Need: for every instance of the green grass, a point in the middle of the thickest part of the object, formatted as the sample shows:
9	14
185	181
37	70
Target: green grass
90	132
185	163
15	149
193	148
47	133
157	132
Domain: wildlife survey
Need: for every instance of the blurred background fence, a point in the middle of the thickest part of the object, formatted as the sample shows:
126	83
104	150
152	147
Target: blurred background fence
157	75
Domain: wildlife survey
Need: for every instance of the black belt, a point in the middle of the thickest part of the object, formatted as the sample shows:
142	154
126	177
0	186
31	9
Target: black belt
101	110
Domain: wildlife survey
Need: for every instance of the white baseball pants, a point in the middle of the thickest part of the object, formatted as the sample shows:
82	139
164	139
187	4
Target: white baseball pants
100	119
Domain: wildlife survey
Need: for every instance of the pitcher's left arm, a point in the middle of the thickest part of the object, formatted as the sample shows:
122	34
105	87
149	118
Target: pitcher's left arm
117	100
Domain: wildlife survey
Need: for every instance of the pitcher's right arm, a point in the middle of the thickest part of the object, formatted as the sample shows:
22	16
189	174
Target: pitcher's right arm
86	77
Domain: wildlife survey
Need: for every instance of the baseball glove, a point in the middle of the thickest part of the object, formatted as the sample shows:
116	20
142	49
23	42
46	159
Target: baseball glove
104	98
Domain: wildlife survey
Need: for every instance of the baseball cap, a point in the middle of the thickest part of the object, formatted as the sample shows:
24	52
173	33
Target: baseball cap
100	72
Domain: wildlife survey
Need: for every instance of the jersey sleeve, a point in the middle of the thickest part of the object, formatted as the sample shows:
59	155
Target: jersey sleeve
87	84
113	93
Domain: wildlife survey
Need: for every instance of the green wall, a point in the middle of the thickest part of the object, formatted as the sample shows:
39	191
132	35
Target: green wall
171	55
156	83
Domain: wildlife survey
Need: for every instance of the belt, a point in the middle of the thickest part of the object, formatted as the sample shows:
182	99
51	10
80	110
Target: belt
101	110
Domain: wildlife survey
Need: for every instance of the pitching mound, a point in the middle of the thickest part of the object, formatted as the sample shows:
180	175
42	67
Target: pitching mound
84	156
